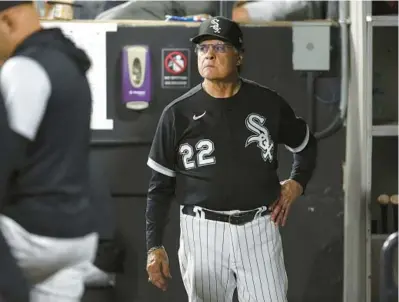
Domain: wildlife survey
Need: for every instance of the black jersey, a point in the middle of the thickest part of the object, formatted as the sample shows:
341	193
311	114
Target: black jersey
48	100
223	152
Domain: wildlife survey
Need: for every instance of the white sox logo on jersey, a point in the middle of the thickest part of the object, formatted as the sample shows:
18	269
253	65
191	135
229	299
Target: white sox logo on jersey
255	123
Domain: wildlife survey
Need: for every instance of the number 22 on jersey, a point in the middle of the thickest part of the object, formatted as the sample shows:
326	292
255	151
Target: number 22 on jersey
199	156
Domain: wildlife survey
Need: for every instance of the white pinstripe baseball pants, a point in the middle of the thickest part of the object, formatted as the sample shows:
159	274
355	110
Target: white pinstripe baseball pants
216	257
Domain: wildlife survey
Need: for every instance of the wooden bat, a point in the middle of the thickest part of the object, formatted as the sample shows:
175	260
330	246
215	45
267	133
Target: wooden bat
395	200
384	200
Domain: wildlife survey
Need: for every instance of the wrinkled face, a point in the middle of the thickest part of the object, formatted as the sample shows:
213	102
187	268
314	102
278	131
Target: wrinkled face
217	60
5	37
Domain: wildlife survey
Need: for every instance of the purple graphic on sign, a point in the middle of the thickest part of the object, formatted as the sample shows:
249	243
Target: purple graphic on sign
136	77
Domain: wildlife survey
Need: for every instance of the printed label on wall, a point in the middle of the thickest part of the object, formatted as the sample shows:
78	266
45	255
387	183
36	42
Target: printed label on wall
175	68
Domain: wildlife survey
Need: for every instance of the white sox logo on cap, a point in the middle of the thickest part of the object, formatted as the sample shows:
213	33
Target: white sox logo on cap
215	26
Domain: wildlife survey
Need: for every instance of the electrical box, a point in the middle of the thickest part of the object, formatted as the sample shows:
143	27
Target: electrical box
311	46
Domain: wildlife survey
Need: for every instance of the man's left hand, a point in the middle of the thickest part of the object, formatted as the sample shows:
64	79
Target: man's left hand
290	191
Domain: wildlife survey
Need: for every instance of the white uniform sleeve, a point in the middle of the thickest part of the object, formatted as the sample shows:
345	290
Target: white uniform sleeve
26	88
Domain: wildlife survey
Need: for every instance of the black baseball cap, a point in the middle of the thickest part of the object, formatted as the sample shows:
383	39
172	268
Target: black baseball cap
8	4
220	28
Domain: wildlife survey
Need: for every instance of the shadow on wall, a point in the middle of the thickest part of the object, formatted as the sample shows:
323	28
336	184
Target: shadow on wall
328	259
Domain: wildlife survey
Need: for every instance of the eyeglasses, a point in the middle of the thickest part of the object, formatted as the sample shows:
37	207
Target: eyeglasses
219	48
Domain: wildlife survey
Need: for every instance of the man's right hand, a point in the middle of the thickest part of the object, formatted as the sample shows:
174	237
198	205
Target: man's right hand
158	268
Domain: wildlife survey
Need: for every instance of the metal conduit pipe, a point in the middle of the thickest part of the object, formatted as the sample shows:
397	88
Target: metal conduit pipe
388	285
344	39
310	87
344	30
223	8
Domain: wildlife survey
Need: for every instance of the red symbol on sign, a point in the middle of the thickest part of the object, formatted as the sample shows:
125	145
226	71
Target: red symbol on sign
175	62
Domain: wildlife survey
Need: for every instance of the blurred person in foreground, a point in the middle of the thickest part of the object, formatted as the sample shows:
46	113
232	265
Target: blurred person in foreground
46	215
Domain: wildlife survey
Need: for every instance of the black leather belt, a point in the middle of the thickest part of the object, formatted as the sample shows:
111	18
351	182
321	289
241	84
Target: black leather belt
236	219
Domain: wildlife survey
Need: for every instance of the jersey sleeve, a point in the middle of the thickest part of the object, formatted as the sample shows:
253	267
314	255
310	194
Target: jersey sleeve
293	131
24	92
162	154
26	88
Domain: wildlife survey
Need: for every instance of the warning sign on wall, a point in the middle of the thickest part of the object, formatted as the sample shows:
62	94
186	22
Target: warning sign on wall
176	68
